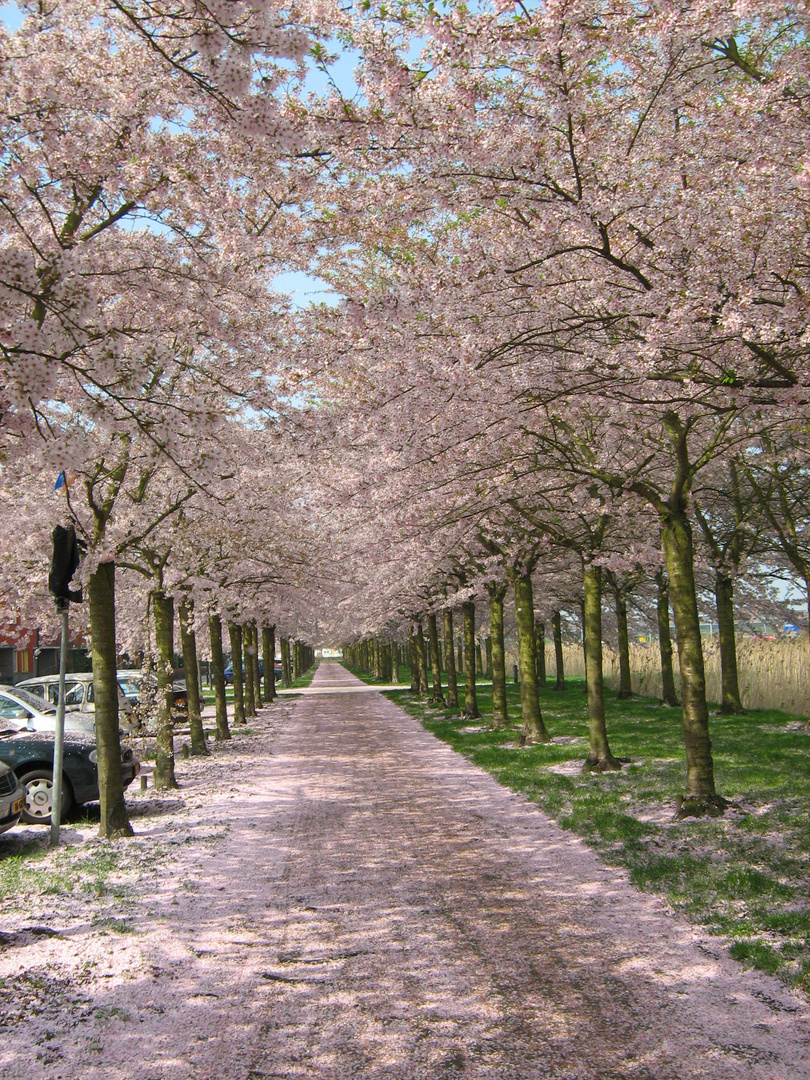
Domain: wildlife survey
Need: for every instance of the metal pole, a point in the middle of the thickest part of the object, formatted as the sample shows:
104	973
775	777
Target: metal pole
59	733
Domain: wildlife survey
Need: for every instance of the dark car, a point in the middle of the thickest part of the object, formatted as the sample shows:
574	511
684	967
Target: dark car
30	755
229	672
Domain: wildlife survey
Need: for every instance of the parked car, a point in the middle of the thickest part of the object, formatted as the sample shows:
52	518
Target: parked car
229	671
79	693
141	690
30	755
23	711
12	798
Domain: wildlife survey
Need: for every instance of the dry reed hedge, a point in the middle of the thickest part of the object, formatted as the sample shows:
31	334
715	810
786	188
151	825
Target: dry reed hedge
772	674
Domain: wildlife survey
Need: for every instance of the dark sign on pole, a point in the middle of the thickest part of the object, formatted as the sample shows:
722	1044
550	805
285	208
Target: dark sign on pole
64	565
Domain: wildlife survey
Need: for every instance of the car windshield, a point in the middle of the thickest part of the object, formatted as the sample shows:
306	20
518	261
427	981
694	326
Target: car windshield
35	702
129	686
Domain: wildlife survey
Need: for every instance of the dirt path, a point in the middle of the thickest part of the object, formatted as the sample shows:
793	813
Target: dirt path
382	909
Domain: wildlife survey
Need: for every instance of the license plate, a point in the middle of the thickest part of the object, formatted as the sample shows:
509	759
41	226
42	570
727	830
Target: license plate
16	807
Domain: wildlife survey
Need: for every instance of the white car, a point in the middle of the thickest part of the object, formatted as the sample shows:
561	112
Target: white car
79	695
23	711
12	798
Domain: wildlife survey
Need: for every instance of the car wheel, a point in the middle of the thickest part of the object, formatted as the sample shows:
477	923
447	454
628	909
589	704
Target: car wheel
38	786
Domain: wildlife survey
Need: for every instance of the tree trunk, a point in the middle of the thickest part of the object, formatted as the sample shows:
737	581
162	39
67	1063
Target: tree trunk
235	634
460	654
470	702
724	596
254	656
500	714
556	629
433	634
668	693
540	645
188	643
285	662
163	608
101	594
218	673
625	684
599	757
250	693
421	660
488	653
534	730
268	659
701	796
450	661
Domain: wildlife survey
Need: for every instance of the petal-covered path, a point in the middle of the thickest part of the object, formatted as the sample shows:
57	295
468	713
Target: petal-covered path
381	909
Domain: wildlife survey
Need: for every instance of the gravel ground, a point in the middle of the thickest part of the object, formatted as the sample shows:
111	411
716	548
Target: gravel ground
337	894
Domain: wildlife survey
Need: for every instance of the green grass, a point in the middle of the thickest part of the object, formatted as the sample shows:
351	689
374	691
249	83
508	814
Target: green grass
743	876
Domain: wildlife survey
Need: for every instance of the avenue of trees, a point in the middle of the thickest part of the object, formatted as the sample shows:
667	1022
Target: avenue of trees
566	376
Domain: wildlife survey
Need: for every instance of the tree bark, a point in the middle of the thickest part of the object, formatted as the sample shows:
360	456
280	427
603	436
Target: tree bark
163	608
250	693
285	662
470	701
188	643
534	729
500	714
724	596
556	629
450	660
701	796
625	683
599	757
101	595
669	695
254	656
218	673
235	634
268	659
433	634
421	661
540	645
460	656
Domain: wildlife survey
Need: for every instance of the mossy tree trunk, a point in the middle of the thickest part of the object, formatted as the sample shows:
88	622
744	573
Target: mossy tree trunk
669	695
556	630
101	595
625	683
460	653
250	682
268	659
257	678
450	660
413	660
218	673
534	729
188	644
500	715
731	703
163	609
421	660
679	555
433	634
285	662
470	701
599	759
540	646
237	661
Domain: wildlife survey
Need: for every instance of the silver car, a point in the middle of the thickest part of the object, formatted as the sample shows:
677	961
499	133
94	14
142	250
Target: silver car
23	711
12	798
79	694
